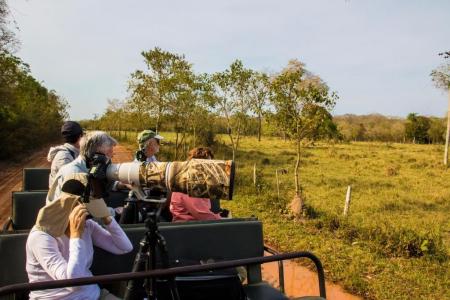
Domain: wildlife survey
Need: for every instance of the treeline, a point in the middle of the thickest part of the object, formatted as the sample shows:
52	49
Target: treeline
375	127
293	104
30	114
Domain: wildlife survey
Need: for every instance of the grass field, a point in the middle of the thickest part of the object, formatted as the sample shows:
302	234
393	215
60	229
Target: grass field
395	242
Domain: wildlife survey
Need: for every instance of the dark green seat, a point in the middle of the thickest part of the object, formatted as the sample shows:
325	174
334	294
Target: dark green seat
190	241
12	261
195	241
35	179
25	207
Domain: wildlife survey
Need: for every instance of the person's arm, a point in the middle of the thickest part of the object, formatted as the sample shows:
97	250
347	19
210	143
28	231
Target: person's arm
199	208
117	185
111	239
45	250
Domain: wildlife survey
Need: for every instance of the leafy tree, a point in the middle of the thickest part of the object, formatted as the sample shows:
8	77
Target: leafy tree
231	88
416	128
203	99
322	125
170	91
27	109
152	90
259	91
295	90
436	132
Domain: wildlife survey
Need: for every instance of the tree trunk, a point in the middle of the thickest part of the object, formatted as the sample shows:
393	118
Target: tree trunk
259	128
195	138
176	145
296	175
447	135
184	145
297	203
157	123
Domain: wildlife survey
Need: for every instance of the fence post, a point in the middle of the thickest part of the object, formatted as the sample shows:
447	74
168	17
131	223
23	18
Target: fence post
347	200
278	184
254	174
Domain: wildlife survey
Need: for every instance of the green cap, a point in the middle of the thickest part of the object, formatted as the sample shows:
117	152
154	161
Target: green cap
145	135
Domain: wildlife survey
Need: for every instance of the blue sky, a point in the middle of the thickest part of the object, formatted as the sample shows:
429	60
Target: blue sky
377	55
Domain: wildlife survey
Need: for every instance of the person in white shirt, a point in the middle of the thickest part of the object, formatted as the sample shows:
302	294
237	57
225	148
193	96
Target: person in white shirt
149	143
60	245
63	154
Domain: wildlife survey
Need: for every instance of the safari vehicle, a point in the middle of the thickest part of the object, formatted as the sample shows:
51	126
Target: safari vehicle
222	244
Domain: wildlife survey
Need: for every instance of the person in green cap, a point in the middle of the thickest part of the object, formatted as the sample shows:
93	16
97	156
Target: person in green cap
149	143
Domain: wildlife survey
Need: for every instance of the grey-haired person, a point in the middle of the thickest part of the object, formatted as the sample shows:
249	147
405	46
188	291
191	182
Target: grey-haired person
95	142
63	154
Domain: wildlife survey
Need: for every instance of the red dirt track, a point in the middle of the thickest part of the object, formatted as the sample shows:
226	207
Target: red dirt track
299	281
11	179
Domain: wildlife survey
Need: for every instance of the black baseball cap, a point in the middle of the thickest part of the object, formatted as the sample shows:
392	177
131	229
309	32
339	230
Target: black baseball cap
71	131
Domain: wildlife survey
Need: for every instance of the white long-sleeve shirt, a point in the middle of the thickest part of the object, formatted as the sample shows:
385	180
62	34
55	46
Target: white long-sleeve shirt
50	258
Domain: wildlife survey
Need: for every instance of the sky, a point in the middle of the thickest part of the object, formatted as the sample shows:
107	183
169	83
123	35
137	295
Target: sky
377	55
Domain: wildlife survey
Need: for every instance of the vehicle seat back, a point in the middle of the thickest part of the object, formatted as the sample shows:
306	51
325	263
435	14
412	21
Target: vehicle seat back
35	179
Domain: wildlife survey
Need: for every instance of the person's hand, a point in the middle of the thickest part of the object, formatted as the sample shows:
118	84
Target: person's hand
77	220
123	186
107	220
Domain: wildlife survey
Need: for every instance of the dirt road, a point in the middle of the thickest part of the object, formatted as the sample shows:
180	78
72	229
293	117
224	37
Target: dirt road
11	179
299	281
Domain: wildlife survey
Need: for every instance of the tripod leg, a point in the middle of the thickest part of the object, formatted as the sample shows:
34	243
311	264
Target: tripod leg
134	287
165	259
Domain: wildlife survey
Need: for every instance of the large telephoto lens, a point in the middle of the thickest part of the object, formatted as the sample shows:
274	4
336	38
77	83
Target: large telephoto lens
200	178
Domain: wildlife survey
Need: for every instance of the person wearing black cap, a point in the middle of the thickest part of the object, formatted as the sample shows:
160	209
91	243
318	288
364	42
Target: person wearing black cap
63	154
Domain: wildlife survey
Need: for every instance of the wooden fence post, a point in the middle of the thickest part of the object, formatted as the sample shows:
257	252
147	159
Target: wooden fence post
278	184
347	200
254	174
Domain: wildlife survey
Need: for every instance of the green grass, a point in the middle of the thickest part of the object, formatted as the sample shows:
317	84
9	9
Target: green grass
395	242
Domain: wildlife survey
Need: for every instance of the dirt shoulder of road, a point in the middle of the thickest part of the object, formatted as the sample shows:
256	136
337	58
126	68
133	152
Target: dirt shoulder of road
11	178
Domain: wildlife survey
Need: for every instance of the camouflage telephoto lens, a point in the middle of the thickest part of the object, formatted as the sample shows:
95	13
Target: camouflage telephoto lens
199	178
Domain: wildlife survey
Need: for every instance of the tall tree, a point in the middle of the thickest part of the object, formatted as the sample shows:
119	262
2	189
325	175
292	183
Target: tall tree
157	86
259	91
231	88
441	79
295	91
416	128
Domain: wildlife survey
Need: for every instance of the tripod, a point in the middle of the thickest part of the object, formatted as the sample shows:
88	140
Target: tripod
146	258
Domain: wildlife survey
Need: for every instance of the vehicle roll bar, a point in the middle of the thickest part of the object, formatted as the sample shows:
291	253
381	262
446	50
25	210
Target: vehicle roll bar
22	287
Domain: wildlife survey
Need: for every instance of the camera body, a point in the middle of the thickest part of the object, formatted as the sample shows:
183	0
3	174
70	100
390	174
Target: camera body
97	179
98	164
